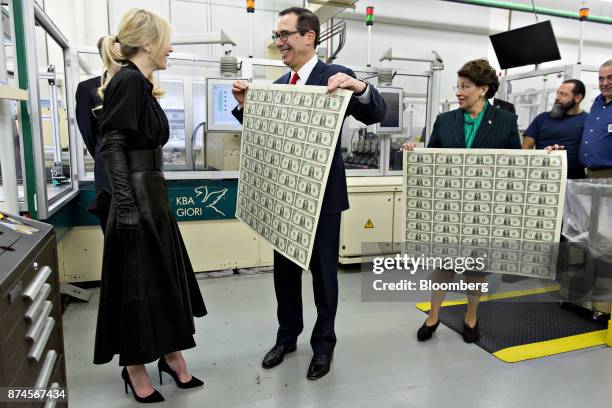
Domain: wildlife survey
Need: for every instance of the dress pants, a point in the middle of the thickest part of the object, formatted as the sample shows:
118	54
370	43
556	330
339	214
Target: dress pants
576	173
288	288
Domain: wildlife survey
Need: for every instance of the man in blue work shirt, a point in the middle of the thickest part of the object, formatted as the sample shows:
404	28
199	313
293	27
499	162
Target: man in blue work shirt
563	125
596	147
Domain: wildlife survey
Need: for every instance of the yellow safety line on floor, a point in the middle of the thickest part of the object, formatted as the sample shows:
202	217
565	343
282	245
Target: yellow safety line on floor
609	338
550	347
425	306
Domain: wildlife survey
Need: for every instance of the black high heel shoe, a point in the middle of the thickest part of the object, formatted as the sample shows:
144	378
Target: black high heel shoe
154	397
162	365
471	334
425	332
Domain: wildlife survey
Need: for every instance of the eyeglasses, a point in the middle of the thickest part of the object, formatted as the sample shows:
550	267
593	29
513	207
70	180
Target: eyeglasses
283	35
463	87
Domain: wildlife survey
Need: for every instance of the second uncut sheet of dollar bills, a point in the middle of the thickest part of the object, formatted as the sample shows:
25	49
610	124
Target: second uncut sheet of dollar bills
505	206
288	141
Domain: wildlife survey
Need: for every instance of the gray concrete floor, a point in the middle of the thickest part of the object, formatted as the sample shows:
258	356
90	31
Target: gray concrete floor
378	361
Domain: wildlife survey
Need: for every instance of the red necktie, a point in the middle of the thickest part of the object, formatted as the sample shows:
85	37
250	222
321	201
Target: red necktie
294	79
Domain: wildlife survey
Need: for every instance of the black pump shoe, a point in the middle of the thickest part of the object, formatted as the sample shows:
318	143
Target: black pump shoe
154	397
163	366
425	332
471	334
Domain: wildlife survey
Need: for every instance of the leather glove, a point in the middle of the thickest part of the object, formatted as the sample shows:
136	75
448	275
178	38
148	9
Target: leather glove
100	207
113	151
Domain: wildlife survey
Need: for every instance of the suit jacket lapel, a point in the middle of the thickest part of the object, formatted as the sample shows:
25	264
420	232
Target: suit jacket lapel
485	126
316	76
284	79
459	132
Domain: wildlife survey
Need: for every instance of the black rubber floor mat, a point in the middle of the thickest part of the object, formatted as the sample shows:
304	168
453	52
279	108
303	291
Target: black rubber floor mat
526	320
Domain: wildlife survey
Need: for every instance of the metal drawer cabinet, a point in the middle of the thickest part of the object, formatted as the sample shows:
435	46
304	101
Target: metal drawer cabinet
31	341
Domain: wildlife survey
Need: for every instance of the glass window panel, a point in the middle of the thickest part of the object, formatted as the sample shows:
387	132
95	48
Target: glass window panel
175	153
9	50
15	132
199	122
532	96
185	106
359	144
220	148
213	150
54	120
414	116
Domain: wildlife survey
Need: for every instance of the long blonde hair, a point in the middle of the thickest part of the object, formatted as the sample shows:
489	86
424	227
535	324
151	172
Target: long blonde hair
137	28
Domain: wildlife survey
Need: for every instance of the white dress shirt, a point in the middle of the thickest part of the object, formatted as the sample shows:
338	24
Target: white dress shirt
306	70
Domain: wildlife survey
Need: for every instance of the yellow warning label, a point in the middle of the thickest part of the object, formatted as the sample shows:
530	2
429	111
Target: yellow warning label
369	224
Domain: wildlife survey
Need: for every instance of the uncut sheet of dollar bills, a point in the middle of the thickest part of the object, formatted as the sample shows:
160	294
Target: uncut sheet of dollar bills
288	140
505	206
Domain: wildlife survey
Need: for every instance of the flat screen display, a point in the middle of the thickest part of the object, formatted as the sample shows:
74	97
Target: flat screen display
221	102
529	45
392	122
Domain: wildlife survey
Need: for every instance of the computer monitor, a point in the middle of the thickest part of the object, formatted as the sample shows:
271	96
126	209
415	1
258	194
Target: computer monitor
219	104
529	45
393	120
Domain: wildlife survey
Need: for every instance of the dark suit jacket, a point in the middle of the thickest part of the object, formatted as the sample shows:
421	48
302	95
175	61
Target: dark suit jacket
501	104
498	130
335	198
87	99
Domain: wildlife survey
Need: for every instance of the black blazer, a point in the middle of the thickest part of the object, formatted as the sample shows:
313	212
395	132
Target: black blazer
335	199
87	99
505	105
498	130
88	102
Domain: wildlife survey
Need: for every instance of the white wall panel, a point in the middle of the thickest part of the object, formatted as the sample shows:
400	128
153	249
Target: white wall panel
458	32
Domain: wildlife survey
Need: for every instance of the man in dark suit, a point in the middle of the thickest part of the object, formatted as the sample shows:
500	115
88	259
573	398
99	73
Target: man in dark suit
296	36
88	110
501	104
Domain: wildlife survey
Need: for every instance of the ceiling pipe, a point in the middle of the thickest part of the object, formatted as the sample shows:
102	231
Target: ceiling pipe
507	5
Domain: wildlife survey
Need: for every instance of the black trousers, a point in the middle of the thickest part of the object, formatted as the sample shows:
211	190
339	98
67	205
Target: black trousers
288	288
576	173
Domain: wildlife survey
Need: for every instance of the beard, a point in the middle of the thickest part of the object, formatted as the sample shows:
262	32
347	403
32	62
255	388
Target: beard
559	109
